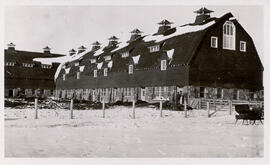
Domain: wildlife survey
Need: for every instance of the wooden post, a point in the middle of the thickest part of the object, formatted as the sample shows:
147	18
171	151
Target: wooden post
185	108
36	108
215	105
160	108
133	108
208	109
71	108
103	107
230	104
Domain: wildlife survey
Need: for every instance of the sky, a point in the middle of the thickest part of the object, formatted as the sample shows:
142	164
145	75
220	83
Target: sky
62	28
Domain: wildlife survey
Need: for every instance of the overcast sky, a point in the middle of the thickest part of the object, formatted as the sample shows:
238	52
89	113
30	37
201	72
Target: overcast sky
64	27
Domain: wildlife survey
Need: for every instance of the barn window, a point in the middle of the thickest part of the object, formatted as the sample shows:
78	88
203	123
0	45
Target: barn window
154	48
95	73
229	36
44	66
105	71
27	65
242	46
163	64
93	60
130	69
77	64
214	42
125	54
107	58
78	75
64	77
10	63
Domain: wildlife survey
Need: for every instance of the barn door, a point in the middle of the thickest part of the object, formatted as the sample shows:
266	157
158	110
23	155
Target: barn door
143	94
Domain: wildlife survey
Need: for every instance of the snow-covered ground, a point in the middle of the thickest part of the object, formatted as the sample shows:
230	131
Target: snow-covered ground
54	134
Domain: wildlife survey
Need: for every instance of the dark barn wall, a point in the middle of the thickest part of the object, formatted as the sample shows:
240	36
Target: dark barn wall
140	78
226	68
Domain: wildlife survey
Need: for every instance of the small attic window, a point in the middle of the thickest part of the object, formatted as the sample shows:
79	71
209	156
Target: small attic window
125	54
107	58
105	71
10	63
93	60
130	69
27	65
44	66
163	65
78	75
154	48
243	46
214	42
95	73
64	77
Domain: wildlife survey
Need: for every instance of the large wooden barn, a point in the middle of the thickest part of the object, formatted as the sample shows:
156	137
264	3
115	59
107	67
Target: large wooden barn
28	78
210	58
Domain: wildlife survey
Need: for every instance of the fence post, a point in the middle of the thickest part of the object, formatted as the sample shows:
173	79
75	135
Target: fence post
133	108
71	108
185	108
208	109
36	108
160	108
230	104
103	107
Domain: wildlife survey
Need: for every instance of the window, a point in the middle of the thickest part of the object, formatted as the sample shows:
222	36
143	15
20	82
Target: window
44	66
95	73
93	60
163	64
154	48
105	71
10	63
78	75
229	36
27	65
130	69
214	42
125	54
242	46
64	77
107	58
76	64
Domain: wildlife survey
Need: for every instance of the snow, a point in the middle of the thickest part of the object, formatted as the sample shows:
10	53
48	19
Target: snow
110	64
98	52
179	30
67	70
120	46
170	53
81	68
136	59
99	65
54	134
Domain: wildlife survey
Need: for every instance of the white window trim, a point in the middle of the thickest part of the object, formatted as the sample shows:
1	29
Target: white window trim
130	69
163	65
10	63
95	73
245	46
93	61
154	48
77	64
228	36
216	43
105	71
64	77
125	54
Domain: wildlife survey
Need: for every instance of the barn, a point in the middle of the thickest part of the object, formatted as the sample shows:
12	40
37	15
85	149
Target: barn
211	58
25	77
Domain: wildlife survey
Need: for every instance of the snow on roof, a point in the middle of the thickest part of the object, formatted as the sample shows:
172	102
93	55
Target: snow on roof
136	59
99	65
98	52
110	64
179	30
170	53
120	46
67	70
81	68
